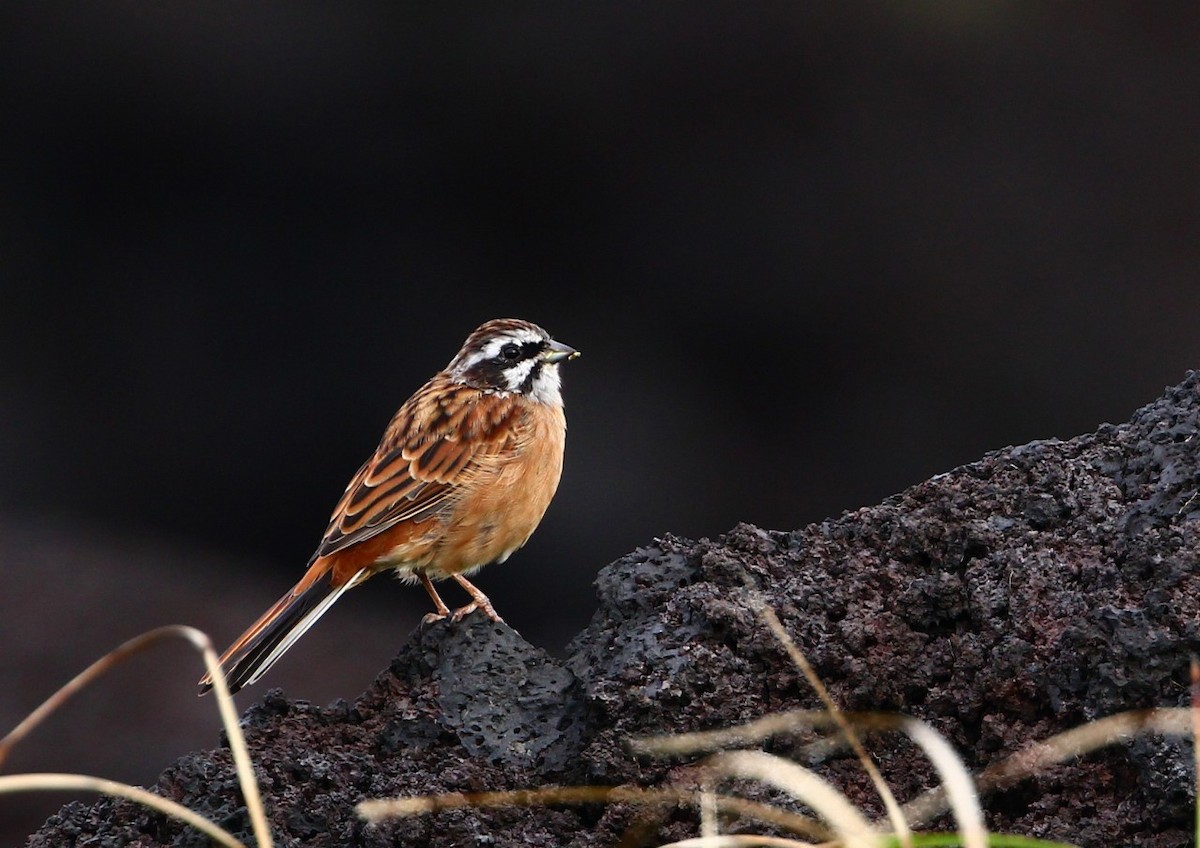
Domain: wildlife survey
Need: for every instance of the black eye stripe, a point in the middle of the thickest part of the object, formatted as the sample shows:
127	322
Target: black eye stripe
512	352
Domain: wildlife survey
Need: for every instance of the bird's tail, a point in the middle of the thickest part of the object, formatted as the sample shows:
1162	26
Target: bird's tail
267	639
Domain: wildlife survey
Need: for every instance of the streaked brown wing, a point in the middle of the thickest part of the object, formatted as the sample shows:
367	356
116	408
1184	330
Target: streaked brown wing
374	503
432	448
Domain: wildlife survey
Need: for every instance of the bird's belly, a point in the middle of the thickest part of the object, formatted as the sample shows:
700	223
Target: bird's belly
501	507
499	516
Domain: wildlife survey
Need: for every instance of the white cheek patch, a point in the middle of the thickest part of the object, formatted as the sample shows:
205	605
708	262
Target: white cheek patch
516	375
547	388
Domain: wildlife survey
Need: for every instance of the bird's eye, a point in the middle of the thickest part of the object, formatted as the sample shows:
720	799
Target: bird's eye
511	352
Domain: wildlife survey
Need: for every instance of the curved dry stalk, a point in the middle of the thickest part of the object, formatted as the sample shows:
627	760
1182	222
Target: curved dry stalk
761	729
229	719
1172	721
65	692
705	741
237	740
894	812
707	802
929	805
380	809
949	766
956	780
51	781
803	785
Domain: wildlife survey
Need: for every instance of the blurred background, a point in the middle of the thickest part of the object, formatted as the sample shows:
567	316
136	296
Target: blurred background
813	253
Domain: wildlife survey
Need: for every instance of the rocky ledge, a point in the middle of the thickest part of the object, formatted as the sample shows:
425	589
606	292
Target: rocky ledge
1010	599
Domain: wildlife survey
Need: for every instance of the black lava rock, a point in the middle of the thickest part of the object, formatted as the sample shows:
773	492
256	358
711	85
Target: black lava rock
1007	600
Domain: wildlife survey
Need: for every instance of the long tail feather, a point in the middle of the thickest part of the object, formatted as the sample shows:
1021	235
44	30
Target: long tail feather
269	638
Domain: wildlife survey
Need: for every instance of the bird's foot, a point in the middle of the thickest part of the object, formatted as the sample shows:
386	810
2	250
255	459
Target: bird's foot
484	606
434	617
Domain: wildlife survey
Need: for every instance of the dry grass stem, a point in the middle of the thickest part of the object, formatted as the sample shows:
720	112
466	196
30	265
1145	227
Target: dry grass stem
707	801
237	740
805	786
924	808
759	730
96	670
958	793
707	741
956	780
894	812
86	783
229	719
1057	749
381	809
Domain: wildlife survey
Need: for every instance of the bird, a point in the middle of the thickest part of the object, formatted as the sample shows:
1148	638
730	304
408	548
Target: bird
461	478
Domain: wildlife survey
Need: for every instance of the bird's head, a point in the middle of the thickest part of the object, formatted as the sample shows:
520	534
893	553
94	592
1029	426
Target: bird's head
512	356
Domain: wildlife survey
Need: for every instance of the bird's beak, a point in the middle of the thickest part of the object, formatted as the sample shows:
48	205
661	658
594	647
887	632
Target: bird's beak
558	352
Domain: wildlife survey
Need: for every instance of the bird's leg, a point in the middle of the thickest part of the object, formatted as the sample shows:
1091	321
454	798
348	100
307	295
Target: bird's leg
479	601
442	609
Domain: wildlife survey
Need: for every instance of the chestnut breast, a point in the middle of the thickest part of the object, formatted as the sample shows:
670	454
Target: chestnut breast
507	498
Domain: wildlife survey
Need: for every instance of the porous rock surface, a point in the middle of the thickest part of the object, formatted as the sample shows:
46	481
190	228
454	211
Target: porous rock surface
1012	598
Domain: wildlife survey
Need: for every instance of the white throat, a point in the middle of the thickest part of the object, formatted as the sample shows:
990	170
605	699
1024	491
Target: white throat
547	388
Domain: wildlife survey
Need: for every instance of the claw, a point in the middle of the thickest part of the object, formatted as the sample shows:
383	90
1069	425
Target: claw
479	601
485	606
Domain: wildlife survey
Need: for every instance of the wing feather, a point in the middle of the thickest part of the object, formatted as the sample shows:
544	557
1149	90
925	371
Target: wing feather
430	451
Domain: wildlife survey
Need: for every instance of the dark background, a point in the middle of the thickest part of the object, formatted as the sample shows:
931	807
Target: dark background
813	253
